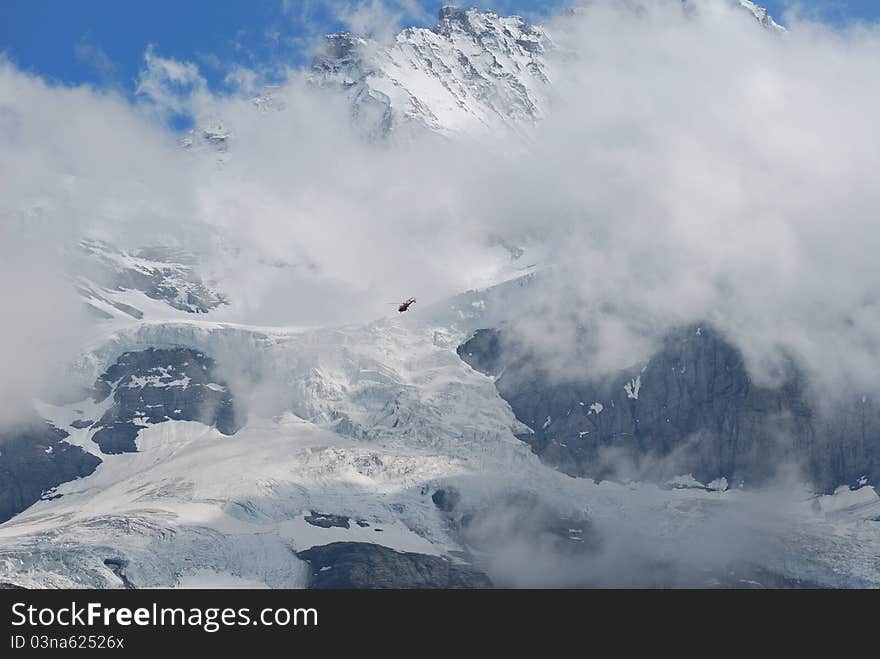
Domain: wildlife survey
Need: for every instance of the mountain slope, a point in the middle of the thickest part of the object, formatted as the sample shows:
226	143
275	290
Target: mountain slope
691	408
410	452
474	72
116	283
384	417
761	15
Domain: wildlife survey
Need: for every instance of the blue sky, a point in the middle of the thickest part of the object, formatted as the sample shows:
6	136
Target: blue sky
102	42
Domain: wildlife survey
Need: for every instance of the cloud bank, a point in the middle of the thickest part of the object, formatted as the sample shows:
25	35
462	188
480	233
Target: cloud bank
692	167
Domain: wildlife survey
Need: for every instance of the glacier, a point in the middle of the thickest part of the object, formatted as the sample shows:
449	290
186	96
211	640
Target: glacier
369	423
391	440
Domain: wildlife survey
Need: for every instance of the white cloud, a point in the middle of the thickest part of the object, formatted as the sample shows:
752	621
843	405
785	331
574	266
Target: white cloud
691	169
72	161
715	171
94	56
380	19
171	86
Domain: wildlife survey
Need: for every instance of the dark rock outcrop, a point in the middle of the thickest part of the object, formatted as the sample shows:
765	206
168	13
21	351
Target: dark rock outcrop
446	499
152	386
34	458
350	565
118	566
326	521
692	408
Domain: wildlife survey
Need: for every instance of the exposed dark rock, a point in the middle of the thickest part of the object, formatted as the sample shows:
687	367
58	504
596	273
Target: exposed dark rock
692	408
483	351
350	565
446	499
4	585
152	386
328	521
79	424
339	53
118	567
34	458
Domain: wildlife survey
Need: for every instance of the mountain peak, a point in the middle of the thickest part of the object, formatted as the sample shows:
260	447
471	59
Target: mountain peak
475	71
762	15
470	21
450	15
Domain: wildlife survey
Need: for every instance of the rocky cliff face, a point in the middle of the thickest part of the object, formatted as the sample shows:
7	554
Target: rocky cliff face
691	409
34	459
162	274
152	386
474	72
761	15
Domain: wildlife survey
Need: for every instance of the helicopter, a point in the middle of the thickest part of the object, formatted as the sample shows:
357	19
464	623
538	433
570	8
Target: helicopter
404	306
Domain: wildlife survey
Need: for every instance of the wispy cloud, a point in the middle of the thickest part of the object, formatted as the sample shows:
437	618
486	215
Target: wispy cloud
93	56
170	86
379	19
690	168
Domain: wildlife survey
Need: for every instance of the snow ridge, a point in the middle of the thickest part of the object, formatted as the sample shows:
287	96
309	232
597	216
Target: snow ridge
762	15
475	71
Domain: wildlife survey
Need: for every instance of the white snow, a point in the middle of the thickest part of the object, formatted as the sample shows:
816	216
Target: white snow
719	484
685	481
844	501
375	418
389	533
762	15
370	420
632	387
139	382
211	579
481	74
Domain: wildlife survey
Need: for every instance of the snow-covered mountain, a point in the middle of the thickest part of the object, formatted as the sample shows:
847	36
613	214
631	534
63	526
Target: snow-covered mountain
474	72
762	15
200	452
376	435
113	281
212	137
